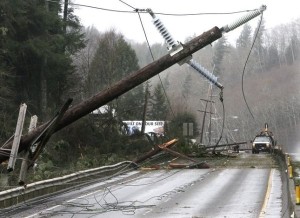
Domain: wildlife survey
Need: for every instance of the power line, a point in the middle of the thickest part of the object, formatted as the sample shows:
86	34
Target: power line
244	69
128	5
223	122
150	50
160	13
94	7
162	85
203	13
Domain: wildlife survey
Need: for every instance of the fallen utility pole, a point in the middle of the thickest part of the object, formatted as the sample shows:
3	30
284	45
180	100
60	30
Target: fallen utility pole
132	80
177	154
198	165
224	145
156	150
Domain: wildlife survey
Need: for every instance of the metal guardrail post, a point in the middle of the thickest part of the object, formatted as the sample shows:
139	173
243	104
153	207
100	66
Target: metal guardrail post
297	190
290	170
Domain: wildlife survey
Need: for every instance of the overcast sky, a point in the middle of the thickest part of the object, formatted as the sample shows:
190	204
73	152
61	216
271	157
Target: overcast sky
181	27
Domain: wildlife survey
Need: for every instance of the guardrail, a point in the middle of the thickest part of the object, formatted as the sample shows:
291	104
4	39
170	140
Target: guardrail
287	184
292	170
21	194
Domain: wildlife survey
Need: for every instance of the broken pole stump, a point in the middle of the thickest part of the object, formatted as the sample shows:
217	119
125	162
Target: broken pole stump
17	138
156	150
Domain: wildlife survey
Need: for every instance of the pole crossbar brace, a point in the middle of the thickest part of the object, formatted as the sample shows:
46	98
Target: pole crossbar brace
49	130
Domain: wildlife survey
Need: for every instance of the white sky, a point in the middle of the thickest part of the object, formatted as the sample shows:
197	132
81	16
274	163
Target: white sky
181	27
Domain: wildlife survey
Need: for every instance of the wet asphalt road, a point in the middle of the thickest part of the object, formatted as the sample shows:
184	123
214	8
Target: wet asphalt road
220	192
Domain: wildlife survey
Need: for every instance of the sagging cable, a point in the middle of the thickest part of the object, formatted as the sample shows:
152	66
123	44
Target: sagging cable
174	47
249	16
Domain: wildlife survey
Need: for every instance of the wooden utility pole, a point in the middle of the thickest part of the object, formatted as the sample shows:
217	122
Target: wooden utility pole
145	109
210	110
203	120
156	150
228	144
119	88
17	138
25	161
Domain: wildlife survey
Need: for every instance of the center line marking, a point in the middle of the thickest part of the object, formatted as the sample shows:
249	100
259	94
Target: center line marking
267	196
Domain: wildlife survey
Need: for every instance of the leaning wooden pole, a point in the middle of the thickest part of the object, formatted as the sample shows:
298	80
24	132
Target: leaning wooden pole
155	150
224	145
132	80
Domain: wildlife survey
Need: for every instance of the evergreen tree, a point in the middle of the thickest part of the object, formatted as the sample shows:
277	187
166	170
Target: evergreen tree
259	49
113	60
35	58
159	106
243	44
220	50
244	40
6	80
38	51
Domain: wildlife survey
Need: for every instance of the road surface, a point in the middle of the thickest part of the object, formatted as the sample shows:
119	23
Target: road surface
216	192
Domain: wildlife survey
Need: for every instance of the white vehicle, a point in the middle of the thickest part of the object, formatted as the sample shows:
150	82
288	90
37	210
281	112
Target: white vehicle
263	142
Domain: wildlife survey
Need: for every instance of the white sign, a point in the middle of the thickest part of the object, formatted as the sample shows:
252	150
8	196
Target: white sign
151	126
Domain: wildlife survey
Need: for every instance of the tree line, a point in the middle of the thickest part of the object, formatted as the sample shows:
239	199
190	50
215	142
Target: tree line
46	56
274	50
270	77
37	45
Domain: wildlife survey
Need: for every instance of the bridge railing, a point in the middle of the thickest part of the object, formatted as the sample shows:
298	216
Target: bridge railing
22	194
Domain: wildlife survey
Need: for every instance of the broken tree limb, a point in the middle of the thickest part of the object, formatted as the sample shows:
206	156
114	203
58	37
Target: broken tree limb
156	150
122	86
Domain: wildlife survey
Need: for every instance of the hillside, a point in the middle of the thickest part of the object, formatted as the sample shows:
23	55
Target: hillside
272	95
